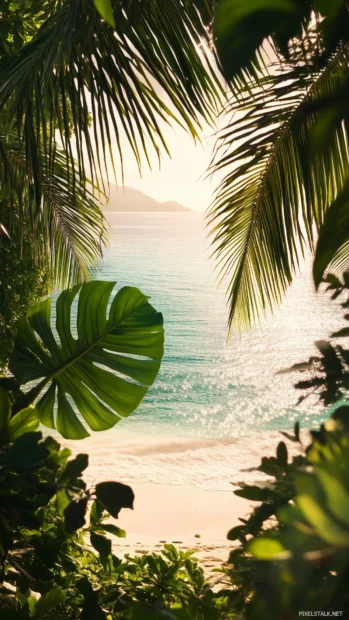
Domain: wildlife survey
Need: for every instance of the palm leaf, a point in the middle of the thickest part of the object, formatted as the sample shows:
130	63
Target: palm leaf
72	226
68	232
332	250
104	373
153	68
275	190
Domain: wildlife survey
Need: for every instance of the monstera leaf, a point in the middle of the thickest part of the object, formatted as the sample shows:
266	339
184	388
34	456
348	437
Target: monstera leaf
104	373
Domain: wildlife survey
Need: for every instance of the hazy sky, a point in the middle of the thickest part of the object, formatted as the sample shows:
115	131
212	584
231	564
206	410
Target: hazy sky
180	177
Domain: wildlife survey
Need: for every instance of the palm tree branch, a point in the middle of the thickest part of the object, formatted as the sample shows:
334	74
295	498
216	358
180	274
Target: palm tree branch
153	68
68	231
268	202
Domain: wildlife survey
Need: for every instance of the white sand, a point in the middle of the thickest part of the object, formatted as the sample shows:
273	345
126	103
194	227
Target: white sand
182	515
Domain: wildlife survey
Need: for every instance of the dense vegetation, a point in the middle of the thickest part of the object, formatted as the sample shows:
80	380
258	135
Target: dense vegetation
74	76
56	558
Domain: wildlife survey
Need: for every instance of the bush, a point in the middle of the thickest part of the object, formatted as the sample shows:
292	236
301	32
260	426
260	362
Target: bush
56	557
23	282
292	552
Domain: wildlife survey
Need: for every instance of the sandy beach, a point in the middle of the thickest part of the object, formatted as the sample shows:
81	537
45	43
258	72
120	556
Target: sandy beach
184	516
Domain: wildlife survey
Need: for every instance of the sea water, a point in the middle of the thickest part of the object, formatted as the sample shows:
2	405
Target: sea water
215	407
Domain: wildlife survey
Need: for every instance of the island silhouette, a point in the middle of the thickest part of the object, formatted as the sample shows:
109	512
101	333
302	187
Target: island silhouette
130	199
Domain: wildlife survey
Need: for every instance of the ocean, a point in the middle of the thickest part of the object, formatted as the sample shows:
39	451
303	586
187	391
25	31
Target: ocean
216	407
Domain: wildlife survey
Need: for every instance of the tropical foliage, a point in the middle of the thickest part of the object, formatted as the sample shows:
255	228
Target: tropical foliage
292	550
73	87
284	150
56	558
73	93
104	373
292	554
327	374
22	283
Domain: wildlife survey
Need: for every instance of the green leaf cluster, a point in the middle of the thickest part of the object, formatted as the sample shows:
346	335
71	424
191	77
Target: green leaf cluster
292	551
73	92
327	374
56	543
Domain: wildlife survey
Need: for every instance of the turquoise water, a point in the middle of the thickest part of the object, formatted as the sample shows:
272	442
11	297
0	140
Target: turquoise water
209	395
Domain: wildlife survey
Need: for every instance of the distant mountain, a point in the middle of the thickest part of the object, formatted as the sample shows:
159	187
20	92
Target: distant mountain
130	199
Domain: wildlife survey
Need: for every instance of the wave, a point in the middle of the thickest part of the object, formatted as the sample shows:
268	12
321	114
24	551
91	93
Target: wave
207	464
171	446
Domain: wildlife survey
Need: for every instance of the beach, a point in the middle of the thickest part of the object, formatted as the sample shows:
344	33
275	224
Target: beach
184	516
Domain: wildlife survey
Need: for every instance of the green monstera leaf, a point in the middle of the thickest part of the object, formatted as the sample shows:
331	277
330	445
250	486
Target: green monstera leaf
100	376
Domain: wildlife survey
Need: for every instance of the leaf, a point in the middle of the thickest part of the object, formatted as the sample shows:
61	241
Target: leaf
95	609
332	250
106	371
96	513
281	454
330	360
48	601
70	218
63	499
25	421
335	282
311	502
4	231
341	333
269	466
113	529
297	431
341	414
27	452
240	27
254	493
105	9
266	548
91	608
75	467
101	544
237	533
74	515
5	410
323	524
9	384
114	496
336	495
102	90
273	192
288	436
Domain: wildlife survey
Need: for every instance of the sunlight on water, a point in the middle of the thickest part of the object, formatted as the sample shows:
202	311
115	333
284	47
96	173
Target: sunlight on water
209	395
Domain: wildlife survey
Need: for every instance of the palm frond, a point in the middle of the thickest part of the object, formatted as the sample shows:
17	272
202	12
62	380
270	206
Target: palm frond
275	190
72	226
152	68
68	231
332	249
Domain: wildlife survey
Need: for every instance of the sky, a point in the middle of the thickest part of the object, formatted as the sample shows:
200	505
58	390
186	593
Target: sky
181	177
